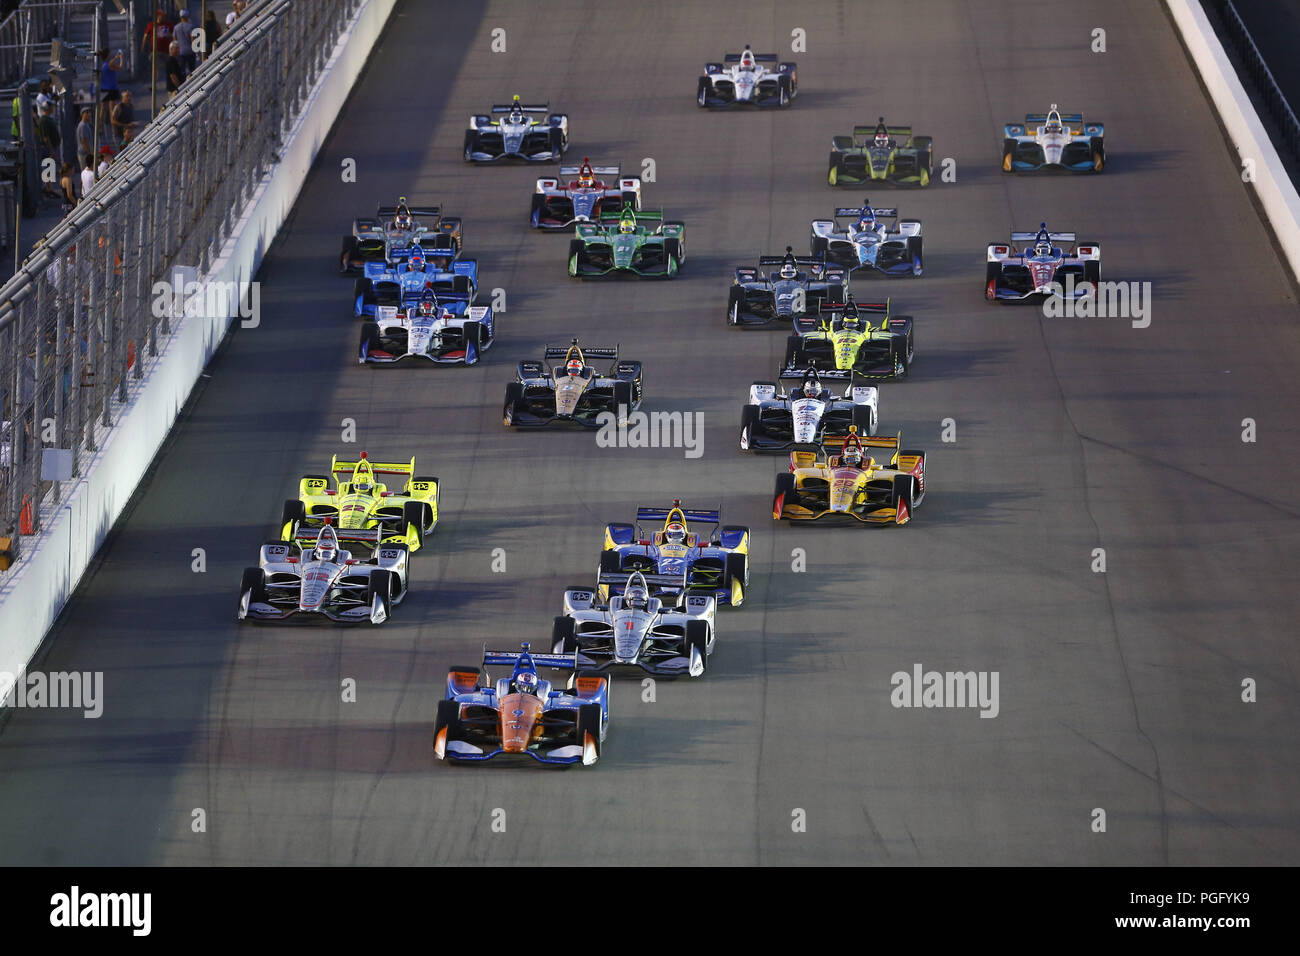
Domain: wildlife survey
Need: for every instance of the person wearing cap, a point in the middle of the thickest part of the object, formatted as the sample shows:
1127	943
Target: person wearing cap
183	34
159	32
106	154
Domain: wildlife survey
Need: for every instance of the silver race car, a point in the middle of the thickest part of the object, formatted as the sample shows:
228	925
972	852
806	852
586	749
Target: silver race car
1053	140
517	131
867	238
776	420
744	79
635	630
572	391
312	577
446	335
582	194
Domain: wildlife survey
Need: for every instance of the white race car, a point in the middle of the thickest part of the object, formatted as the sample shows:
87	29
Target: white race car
866	238
517	131
743	79
1053	140
635	630
323	581
427	330
776	420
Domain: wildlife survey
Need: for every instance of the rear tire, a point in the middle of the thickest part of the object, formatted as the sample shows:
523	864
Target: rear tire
622	398
818	245
783	494
748	423
369	340
785	91
589	724
471	140
611	562
473	332
702	94
673	250
1008	154
413	517
902	494
576	247
915	254
864	420
697	638
382	584
734	301
901	350
348	253
1098	154
563	637
737	569
535	213
253	584
449	718
292	515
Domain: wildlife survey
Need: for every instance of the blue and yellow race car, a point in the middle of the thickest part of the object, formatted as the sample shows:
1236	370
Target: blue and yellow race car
408	274
678	559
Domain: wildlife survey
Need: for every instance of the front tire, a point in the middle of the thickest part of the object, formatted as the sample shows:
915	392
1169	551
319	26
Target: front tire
748	423
514	395
695	647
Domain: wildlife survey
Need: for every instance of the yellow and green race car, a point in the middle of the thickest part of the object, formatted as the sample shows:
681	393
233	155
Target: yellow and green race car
361	508
841	337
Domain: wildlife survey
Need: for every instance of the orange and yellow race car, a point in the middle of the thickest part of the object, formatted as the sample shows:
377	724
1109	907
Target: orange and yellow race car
362	509
851	484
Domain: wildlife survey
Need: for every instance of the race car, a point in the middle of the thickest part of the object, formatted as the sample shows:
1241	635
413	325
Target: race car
572	391
889	154
397	227
635	630
641	243
517	130
851	484
744	79
310	576
407	275
445	334
841	337
1033	265
522	715
866	238
775	420
1053	140
582	194
677	559
361	509
797	285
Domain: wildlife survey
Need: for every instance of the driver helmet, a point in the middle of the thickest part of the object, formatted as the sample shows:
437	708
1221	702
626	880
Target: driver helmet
882	139
849	319
811	387
325	551
585	176
402	218
851	456
788	270
526	683
866	218
1043	247
416	262
574	366
363	486
675	533
747	60
636	599
428	305
627	226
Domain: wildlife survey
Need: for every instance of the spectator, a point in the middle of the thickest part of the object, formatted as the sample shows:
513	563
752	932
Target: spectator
48	133
14	130
159	31
109	88
211	31
173	70
124	121
184	38
85	136
68	193
234	14
106	154
87	176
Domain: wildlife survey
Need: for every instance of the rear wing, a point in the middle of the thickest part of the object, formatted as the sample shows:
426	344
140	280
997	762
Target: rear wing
758	57
875	308
614	217
825	374
365	535
562	351
510	658
868	441
615	171
384	212
1067	119
338	467
620	579
525	107
864	131
1069	238
846	212
661	514
798	260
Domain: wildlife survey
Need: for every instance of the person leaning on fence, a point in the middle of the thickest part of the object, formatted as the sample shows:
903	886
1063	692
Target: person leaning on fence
184	37
173	70
124	121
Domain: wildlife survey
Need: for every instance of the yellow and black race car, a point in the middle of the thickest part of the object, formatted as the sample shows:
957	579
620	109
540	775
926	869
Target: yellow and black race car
841	337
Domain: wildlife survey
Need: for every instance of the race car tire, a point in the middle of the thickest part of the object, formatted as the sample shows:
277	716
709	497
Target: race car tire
471	140
563	638
535	213
473	332
918	490
576	247
992	273
514	394
253	584
673	250
783	494
622	398
448	717
632	198
702	94
413	516
924	166
836	294
461	284
696	636
369	340
793	352
348	253
557	144
735	299
362	287
1008	154
381	584
903	491
611	562
785	91
818	245
903	350
588	723
737	568
1092	272
833	169
864	419
293	514
748	422
1098	151
914	253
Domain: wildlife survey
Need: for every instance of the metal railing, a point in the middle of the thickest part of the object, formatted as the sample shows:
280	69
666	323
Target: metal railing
1280	111
77	321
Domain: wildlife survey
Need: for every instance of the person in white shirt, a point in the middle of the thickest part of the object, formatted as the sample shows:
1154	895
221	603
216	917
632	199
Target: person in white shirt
88	177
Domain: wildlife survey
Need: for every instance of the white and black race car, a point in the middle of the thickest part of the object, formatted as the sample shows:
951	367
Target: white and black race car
312	577
572	391
635	630
454	333
515	130
745	79
866	238
776	420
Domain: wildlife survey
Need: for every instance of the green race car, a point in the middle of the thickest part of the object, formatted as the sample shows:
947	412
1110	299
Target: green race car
841	338
637	242
888	154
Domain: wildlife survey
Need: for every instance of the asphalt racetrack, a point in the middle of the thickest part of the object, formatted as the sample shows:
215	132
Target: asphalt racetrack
1119	690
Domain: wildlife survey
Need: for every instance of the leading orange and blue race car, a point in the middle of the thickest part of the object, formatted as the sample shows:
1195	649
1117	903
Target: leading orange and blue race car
851	484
